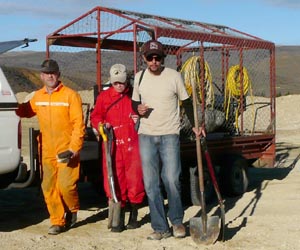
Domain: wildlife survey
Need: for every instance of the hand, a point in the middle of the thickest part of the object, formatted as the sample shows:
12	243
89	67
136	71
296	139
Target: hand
108	125
199	132
75	154
142	109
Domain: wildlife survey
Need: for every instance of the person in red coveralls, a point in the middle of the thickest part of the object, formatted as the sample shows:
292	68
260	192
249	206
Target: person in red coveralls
113	110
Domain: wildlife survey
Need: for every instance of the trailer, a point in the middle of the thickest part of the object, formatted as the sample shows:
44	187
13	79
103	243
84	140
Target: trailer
234	73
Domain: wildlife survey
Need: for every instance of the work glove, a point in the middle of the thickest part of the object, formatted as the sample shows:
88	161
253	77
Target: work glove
64	157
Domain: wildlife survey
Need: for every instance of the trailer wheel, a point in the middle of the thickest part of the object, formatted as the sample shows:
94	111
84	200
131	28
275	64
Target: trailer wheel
195	188
234	175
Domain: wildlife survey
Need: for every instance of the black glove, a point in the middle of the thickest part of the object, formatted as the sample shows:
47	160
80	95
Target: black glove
65	156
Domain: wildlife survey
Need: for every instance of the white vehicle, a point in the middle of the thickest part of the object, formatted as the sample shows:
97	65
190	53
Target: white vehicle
13	172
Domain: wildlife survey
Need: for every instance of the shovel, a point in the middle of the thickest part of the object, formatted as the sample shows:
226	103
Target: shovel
114	206
203	230
215	184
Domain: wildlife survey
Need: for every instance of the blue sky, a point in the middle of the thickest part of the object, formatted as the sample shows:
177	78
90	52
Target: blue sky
273	20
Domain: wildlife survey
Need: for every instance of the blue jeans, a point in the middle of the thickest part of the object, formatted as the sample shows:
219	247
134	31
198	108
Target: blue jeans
167	149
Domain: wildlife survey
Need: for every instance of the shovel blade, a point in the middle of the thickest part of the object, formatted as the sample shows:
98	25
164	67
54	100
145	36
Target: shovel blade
197	230
114	211
110	213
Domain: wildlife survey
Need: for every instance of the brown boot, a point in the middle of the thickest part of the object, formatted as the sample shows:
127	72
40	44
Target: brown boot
132	222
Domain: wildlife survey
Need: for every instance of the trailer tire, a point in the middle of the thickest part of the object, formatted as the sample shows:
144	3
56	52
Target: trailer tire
195	188
234	175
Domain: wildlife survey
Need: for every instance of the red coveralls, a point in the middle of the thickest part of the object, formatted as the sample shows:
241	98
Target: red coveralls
62	128
126	160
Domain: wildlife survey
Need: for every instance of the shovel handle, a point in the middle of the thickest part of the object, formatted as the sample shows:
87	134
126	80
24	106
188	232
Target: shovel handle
102	133
211	170
198	143
199	161
107	147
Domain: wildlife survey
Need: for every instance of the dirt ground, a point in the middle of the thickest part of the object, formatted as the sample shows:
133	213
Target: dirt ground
265	217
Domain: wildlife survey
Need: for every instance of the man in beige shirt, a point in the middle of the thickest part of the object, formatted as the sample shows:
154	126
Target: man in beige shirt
156	99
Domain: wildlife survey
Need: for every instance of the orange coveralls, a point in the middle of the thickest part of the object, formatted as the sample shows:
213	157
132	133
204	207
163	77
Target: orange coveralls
62	128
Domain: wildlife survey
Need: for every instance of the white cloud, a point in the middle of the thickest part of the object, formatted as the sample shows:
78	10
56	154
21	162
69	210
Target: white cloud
284	3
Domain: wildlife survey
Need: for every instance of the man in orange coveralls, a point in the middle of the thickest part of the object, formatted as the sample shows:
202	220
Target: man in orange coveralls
59	112
113	110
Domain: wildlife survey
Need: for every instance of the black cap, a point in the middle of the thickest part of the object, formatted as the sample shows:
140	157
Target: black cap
153	47
49	65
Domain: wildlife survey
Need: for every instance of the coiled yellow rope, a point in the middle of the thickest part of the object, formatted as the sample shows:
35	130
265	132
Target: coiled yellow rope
235	87
191	72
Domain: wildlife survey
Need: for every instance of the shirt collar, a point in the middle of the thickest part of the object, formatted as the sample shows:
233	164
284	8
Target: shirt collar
58	87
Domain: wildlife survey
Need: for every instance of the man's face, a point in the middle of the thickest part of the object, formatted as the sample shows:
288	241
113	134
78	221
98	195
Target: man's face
154	63
50	79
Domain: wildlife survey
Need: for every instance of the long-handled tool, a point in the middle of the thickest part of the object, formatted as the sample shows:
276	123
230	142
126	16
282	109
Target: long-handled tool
107	134
114	206
203	230
215	184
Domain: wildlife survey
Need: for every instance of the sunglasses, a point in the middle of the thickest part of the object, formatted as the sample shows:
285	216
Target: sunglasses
155	57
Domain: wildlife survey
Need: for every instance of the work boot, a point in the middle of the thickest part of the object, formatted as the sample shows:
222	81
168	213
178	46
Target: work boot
70	219
179	231
158	235
118	222
132	222
56	229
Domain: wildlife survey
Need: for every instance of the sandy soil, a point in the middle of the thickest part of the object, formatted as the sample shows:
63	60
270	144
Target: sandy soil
265	217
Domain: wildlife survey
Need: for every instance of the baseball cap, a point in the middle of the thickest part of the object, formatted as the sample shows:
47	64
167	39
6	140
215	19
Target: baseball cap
118	73
49	65
153	47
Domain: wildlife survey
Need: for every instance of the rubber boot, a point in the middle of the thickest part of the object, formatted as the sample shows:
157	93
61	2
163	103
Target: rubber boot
118	222
132	222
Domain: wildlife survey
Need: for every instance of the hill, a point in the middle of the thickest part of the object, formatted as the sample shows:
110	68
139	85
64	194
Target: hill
21	68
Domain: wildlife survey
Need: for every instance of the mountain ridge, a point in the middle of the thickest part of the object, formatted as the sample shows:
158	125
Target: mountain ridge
22	69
